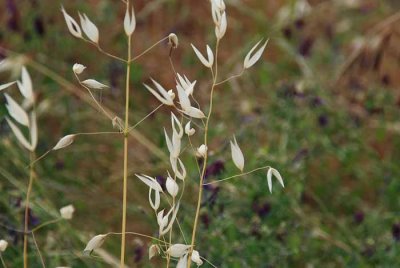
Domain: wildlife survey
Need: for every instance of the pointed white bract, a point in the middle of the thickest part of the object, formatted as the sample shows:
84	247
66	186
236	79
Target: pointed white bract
164	224
206	62
174	145
25	85
16	111
156	204
154	250
89	28
181	174
162	95
64	142
129	22
274	172
172	186
78	68
73	26
178	250
33	130
237	155
7	85
196	258
67	212
91	83
220	28
189	130
94	243
175	123
185	84
186	105
3	245
18	134
151	182
251	58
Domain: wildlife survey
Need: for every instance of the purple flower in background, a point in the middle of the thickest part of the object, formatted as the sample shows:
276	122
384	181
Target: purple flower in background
396	231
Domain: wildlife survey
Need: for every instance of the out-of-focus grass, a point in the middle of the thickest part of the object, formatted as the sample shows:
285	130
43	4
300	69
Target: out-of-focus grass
334	143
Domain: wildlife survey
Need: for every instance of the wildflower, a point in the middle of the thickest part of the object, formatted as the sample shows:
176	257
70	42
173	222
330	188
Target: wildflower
73	26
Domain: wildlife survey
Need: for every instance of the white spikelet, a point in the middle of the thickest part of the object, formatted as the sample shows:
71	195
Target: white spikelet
67	212
73	26
18	134
162	95
154	250
89	28
274	172
172	186
78	68
94	243
189	130
151	182
220	29
33	130
7	85
156	204
64	142
178	250
25	86
3	245
206	62
16	111
94	84
196	258
251	59
237	155
129	22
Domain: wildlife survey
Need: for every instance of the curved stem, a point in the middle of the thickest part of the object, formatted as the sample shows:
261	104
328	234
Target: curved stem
237	175
230	78
199	199
147	50
38	250
126	132
26	220
2	261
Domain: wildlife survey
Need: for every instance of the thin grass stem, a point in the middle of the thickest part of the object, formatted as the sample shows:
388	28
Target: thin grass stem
235	176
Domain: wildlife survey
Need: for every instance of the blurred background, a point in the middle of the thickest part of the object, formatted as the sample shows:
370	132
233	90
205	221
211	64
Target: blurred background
322	106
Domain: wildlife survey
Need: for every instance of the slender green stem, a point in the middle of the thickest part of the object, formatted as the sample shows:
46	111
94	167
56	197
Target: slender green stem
147	50
2	261
126	132
199	199
37	228
38	250
237	175
27	200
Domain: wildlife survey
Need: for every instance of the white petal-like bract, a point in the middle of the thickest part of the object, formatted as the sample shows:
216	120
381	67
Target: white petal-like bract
16	111
220	29
182	262
274	172
162	95
64	142
154	250
33	130
67	212
251	59
25	86
7	85
156	204
202	151
18	134
237	155
151	182
73	26
173	40
172	186
206	62
94	84
129	22
89	28
189	130
94	243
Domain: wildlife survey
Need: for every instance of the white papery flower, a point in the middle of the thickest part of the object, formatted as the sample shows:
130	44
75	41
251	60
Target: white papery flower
78	68
173	40
162	95
182	262
186	105
181	174
151	182
25	85
274	172
156	204
16	111
67	212
220	29
186	84
237	155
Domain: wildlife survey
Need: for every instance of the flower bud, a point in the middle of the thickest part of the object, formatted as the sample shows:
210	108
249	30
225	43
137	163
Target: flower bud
3	245
173	40
202	151
67	212
78	68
